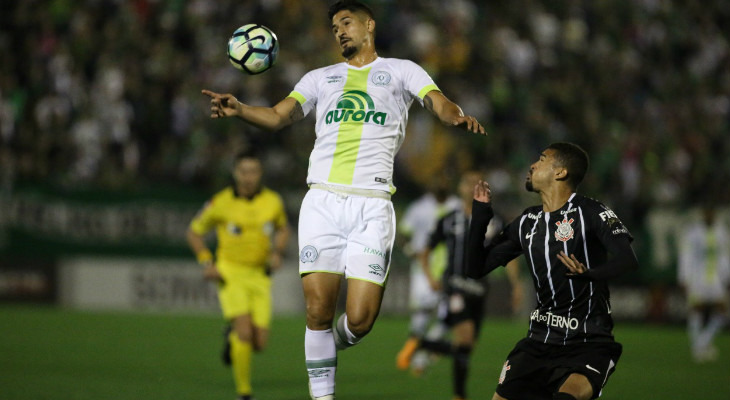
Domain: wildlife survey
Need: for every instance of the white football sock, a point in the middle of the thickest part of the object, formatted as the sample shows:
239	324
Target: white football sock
344	338
694	325
321	359
707	335
419	322
437	331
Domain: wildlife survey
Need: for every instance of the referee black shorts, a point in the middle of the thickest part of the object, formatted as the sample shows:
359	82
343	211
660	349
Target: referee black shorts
535	370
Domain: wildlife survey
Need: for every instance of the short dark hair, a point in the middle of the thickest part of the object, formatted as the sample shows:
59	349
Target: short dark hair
247	153
574	159
350	5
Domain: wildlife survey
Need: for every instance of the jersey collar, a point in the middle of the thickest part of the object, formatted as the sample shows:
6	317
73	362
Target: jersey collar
239	196
376	60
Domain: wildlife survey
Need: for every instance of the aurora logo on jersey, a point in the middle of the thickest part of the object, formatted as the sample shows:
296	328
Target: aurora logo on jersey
355	106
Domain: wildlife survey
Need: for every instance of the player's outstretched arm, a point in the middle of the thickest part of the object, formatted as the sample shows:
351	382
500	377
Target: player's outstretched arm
273	118
481	258
450	113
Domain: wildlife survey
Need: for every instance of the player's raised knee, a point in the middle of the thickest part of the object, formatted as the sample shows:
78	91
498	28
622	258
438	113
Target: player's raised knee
360	324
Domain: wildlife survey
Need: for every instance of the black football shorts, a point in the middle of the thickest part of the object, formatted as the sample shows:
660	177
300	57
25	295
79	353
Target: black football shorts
458	307
535	370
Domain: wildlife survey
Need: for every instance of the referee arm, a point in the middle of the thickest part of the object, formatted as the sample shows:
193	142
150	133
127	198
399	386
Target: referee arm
281	239
204	256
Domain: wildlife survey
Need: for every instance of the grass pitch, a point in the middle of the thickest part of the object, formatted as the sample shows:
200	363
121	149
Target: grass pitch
55	354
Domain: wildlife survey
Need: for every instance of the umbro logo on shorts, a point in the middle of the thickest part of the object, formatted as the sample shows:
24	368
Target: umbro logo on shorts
376	269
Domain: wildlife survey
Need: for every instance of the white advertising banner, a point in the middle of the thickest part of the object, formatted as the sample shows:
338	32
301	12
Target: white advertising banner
156	285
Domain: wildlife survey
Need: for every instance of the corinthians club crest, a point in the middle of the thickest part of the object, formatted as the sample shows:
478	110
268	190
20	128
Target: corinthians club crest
565	230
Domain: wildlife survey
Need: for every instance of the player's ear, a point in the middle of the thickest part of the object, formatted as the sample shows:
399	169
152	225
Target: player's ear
561	174
371	25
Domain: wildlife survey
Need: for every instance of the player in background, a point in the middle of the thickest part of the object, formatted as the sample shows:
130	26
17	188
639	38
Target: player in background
463	302
573	245
704	274
252	233
347	221
418	221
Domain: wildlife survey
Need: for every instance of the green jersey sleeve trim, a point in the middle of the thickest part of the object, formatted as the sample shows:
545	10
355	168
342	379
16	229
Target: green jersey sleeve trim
427	89
298	97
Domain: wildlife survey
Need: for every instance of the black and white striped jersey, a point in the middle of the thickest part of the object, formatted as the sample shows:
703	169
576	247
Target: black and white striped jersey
453	230
568	310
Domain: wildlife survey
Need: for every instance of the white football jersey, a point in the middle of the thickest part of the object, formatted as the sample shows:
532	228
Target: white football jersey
704	261
361	119
420	218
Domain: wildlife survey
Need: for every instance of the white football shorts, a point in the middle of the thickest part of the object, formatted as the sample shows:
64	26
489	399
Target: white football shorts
421	296
344	234
700	291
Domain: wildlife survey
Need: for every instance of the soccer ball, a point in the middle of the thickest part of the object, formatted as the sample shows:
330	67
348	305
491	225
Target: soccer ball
253	48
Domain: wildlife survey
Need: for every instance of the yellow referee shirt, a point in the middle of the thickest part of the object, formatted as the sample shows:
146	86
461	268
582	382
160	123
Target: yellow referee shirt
244	227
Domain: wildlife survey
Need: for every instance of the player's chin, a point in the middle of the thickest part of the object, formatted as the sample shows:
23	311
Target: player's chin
348	51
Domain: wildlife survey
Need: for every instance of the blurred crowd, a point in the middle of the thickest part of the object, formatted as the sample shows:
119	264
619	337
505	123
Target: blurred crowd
105	94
